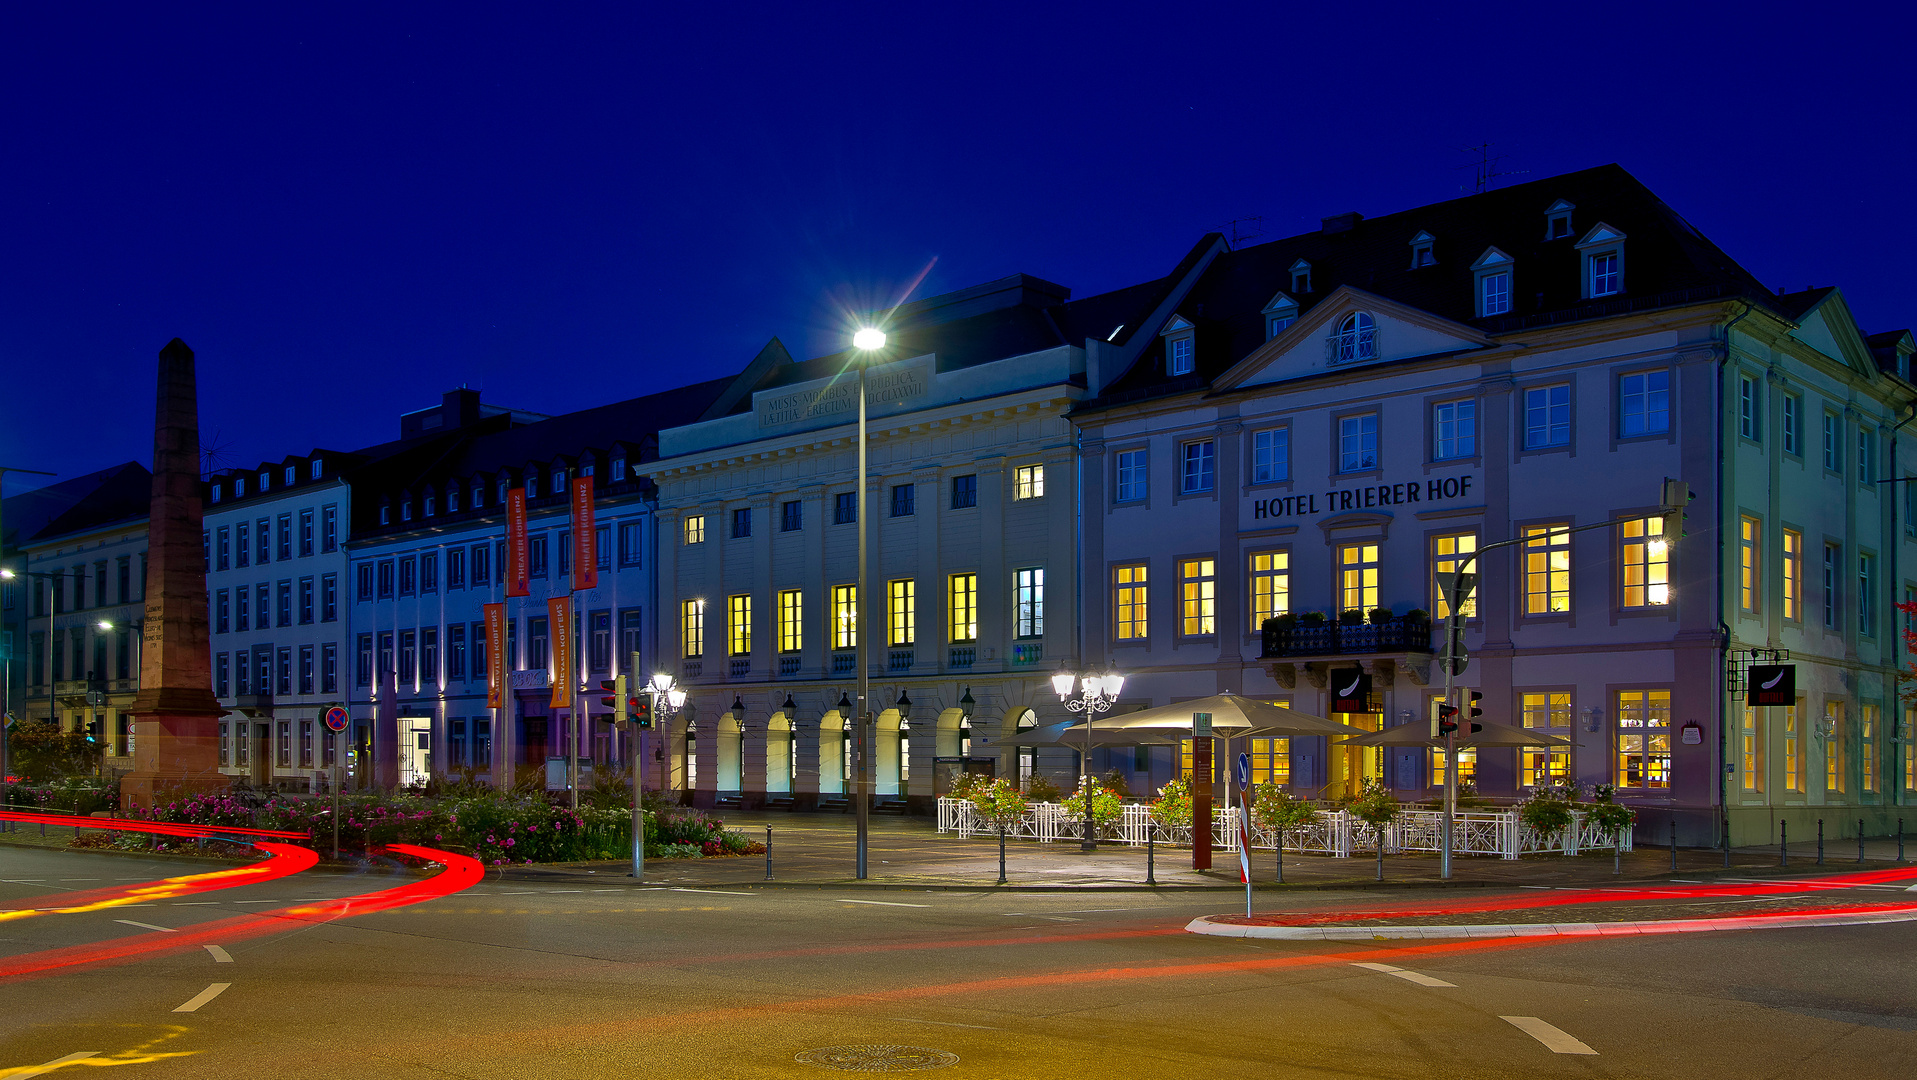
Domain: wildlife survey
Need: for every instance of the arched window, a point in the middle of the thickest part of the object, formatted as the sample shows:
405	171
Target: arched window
1027	755
1357	338
692	754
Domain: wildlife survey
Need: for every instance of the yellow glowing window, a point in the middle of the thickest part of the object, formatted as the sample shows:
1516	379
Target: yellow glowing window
901	611
696	529
739	625
1547	570
791	620
1198	597
1357	577
692	628
1448	557
845	616
962	606
1128	603
1270	586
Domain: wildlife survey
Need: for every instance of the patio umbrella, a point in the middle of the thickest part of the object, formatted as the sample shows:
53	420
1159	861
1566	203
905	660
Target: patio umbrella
1232	716
1072	734
1492	734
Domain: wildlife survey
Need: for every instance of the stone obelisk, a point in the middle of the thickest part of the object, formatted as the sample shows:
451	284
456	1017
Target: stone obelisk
176	739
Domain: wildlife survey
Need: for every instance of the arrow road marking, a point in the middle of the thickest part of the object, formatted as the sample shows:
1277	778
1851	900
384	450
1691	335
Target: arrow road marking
207	995
1554	1039
220	956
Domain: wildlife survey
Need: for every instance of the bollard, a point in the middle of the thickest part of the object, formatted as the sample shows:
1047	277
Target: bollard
1783	843
1380	856
1281	856
1900	839
1001	853
1820	841
1727	843
1860	841
768	853
1151	857
1617	853
1673	845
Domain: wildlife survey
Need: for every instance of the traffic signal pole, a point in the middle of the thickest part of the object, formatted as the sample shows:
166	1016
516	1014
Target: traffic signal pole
1673	497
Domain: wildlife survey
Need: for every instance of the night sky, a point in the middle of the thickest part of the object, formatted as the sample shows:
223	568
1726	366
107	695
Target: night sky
347	213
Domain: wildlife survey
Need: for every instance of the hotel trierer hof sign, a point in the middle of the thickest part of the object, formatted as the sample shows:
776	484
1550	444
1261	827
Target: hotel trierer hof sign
886	385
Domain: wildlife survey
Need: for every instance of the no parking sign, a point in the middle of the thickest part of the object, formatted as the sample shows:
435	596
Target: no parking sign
336	718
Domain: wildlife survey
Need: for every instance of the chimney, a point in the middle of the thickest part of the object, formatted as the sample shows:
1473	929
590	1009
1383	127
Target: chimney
458	408
1338	223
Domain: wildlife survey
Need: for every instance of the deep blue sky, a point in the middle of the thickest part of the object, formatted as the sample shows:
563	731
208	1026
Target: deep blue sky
346	213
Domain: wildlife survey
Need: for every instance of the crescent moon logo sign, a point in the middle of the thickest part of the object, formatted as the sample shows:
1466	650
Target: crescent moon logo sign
1775	679
1353	688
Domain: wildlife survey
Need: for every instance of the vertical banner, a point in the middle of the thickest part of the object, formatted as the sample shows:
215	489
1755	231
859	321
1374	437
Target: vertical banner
518	568
559	608
585	536
495	656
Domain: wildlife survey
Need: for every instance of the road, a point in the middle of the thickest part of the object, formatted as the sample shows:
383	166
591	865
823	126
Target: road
530	980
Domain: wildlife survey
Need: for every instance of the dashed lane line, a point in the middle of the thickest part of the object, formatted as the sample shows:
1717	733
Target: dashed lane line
883	903
56	1063
1409	976
193	1004
714	892
220	956
1554	1038
148	926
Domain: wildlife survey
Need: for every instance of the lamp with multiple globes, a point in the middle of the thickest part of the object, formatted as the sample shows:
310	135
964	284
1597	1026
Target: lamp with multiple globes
1097	693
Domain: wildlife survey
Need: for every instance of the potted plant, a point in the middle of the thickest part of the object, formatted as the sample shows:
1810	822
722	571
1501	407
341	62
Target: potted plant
1001	803
1311	618
1351	617
1379	615
1546	812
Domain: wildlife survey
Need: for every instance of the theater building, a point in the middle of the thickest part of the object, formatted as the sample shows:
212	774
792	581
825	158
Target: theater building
1323	422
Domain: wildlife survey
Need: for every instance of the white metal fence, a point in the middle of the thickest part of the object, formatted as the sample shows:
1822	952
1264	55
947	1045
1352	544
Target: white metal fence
1331	832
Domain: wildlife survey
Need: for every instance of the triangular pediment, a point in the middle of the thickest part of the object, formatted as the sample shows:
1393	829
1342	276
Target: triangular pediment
1282	304
1560	206
1830	328
1422	238
1492	257
1176	324
1301	267
1306	347
1601	234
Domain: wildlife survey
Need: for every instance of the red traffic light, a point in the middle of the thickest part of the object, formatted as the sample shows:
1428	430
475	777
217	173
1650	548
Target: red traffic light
611	700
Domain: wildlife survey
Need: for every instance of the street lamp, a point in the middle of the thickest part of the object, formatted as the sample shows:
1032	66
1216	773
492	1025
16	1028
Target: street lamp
867	340
1097	693
667	700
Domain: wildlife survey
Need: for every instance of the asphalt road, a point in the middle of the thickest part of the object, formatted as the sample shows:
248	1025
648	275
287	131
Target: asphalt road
528	980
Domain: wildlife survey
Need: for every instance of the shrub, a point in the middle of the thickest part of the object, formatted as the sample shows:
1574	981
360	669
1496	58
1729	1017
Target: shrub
1106	806
1114	782
1376	806
1545	813
999	802
1418	614
1282	622
1173	807
1311	618
1275	808
1380	616
962	785
1351	617
1610	816
1042	789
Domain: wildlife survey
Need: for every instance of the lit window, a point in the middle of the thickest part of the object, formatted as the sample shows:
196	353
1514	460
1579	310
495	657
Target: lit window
845	616
1270	760
1793	751
1867	748
692	628
901	610
1645	559
1547	416
1129	602
1547	711
1270	586
1448	554
1358	442
696	529
1793	553
1357	339
1028	482
962	607
1271	455
1131	475
791	620
1643	739
1750	750
1028	602
739	625
1747	565
1834	763
1197	465
1357	577
1455	429
1198	584
1547	569
1644	403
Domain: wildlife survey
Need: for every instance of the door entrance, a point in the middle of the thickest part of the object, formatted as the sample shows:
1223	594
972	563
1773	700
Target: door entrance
415	750
1352	766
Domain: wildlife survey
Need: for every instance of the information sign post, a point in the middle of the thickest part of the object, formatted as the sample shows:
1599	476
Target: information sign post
336	721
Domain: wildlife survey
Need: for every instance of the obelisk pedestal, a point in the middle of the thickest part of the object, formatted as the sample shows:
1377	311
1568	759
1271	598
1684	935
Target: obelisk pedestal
176	717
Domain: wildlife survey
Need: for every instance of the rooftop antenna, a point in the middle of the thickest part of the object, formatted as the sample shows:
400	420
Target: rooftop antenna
215	454
1244	228
1486	167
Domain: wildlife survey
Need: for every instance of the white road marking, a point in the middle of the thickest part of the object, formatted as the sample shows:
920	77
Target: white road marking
713	892
1554	1039
889	903
56	1063
1409	976
221	956
148	926
944	1023
216	903
212	992
276	901
1081	910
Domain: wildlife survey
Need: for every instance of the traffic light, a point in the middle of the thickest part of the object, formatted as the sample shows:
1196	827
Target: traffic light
639	707
1674	502
614	702
1476	712
93	732
1446	722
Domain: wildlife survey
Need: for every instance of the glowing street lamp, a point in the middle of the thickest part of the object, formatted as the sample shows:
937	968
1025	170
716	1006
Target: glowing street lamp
1097	693
867	340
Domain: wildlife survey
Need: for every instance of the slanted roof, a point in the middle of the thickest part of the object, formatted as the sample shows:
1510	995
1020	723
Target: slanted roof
122	494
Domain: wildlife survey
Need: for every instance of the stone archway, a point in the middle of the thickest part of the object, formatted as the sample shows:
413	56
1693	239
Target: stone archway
781	762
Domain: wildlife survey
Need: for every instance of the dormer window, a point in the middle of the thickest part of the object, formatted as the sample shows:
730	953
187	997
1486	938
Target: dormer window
1421	250
586	469
1180	350
1491	282
406	510
216	492
1279	314
503	487
1602	254
292	474
432	504
532	484
1356	339
266	480
558	482
1300	278
617	474
452	498
239	487
1557	220
479	494
385	514
316	468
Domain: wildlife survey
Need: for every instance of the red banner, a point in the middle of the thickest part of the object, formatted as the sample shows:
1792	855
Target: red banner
495	656
585	544
518	563
563	675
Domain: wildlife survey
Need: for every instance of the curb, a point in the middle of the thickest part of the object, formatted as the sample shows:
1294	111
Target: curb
1452	932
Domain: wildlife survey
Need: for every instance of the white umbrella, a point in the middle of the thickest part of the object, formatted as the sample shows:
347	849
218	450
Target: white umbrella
1232	715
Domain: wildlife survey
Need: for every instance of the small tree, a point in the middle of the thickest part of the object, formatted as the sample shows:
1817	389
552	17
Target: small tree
1173	807
1107	807
1276	809
1376	807
1609	814
1001	803
1548	811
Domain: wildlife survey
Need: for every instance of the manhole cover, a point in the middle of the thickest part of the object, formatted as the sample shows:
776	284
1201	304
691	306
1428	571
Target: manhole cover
878	1058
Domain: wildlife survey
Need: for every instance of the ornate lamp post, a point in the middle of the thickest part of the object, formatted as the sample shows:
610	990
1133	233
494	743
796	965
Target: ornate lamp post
867	341
1097	693
667	700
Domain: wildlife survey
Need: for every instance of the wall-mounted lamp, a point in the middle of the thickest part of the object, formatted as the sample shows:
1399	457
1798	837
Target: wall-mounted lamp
1593	718
789	706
